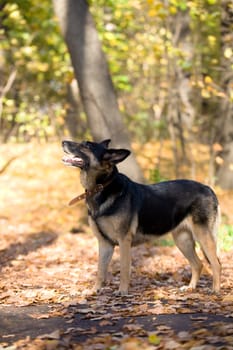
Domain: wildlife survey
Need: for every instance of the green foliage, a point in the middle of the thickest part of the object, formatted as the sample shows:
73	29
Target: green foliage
147	57
141	40
206	27
226	237
32	44
155	176
165	242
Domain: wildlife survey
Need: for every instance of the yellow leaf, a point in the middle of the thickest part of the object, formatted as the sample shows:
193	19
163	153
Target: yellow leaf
219	160
211	40
205	93
208	80
154	339
228	52
217	147
152	12
173	10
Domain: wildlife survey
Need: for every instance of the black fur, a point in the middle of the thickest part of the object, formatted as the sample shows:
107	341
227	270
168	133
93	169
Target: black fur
173	200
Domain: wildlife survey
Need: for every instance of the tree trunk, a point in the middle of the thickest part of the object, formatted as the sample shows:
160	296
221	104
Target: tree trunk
225	130
225	171
95	84
76	125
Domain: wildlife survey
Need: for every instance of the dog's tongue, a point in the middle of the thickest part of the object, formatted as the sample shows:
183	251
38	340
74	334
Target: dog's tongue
67	159
72	160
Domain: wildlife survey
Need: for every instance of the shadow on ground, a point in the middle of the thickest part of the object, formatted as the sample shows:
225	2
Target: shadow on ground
17	323
32	243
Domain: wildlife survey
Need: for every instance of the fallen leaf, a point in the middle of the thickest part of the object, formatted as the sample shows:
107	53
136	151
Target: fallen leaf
184	336
228	298
154	339
105	323
172	344
85	311
40	316
53	335
198	318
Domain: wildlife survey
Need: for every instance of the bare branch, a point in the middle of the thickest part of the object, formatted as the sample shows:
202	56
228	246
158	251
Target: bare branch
6	88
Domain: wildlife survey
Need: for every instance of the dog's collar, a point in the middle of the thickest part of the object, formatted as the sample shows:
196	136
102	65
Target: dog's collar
89	193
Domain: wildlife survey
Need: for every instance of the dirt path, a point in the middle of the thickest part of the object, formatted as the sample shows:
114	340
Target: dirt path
80	324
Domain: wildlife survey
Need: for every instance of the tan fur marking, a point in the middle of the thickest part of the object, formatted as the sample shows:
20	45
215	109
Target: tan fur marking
125	263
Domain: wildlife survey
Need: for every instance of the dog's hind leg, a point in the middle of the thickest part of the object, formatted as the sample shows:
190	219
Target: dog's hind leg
184	240
208	244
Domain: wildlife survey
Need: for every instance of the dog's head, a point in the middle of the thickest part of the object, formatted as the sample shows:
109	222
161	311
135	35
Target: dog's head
92	155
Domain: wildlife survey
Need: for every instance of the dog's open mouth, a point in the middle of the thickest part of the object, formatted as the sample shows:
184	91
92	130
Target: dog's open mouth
72	160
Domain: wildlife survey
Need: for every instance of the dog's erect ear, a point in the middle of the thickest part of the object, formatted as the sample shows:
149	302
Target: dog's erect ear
116	155
105	143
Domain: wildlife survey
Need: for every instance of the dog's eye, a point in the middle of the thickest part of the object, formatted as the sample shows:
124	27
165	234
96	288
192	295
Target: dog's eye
86	144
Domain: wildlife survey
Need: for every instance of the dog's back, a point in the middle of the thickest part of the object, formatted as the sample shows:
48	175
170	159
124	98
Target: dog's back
164	205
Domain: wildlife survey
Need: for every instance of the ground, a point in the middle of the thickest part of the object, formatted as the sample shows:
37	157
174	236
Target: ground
48	259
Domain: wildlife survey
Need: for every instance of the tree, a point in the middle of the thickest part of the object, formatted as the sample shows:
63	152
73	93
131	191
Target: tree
225	129
91	71
170	62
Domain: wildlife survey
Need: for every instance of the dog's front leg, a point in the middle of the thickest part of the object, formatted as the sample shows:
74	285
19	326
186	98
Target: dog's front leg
125	264
105	255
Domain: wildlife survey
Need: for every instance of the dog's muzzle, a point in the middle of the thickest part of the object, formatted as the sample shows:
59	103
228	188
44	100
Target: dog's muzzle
72	160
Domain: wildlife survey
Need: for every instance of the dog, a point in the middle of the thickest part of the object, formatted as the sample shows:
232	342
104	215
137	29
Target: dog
122	212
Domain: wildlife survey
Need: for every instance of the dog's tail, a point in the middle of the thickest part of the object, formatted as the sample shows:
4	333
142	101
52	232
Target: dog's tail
216	224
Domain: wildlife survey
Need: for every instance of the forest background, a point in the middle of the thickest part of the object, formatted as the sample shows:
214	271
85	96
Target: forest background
155	76
171	64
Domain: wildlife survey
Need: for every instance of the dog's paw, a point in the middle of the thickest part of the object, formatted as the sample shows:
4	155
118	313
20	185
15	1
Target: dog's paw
122	293
187	288
98	287
210	291
96	290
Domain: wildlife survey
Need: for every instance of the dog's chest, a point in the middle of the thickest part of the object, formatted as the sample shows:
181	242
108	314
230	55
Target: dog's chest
115	230
114	227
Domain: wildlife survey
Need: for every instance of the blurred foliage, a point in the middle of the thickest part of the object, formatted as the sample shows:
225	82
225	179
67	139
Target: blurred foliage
147	50
155	176
226	237
153	47
31	46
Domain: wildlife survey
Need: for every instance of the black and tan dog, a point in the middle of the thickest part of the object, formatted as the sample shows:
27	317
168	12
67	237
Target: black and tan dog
121	211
